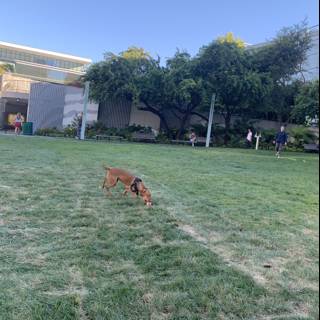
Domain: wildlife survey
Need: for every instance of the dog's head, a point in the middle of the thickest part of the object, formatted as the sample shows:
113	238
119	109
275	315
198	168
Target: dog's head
146	196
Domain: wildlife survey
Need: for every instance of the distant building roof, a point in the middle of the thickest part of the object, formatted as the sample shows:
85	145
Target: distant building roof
45	52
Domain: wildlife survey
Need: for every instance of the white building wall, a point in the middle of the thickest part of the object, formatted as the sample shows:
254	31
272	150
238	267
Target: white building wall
73	105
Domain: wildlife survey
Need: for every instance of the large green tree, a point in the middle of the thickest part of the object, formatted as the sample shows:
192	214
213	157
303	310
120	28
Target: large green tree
227	69
184	91
133	75
170	91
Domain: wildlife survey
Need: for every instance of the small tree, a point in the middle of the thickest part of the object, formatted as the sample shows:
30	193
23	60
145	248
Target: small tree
306	103
6	68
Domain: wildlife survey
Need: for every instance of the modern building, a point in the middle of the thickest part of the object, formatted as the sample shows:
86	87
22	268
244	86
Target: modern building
32	66
311	65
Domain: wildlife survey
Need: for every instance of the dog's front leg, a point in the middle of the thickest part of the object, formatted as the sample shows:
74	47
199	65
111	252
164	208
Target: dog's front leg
104	183
125	192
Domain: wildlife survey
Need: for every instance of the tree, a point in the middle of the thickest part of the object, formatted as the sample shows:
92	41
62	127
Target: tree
6	68
132	75
184	92
228	71
282	59
306	103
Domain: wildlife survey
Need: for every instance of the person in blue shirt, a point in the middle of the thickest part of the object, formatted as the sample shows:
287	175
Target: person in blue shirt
280	141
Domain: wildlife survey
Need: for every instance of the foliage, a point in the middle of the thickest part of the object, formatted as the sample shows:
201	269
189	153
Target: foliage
6	67
247	81
184	91
302	136
229	72
136	53
281	59
306	104
140	80
52	132
267	138
229	38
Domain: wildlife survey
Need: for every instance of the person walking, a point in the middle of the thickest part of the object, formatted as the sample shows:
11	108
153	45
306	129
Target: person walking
280	141
249	139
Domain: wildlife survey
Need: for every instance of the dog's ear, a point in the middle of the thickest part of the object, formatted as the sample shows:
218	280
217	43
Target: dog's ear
106	168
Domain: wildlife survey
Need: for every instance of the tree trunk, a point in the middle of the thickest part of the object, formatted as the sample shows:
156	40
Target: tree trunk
163	120
279	118
182	125
227	121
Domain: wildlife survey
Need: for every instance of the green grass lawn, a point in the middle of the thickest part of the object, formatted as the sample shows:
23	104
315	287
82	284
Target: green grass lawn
233	234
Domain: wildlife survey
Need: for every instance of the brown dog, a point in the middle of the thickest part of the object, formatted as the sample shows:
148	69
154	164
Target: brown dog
132	184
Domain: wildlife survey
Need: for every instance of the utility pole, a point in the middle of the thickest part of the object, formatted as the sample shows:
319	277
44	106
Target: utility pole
84	115
210	120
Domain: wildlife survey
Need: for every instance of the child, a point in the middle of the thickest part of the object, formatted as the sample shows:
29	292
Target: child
280	141
18	123
193	138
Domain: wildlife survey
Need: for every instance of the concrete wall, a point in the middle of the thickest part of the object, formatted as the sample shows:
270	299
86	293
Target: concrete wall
46	105
120	113
55	106
73	104
115	113
144	118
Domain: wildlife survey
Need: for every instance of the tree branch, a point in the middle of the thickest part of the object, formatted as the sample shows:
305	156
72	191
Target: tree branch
199	115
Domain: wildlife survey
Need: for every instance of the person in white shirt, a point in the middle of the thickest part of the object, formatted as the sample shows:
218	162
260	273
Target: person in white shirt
18	123
249	139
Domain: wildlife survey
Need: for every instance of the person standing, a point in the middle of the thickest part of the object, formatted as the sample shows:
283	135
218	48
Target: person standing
79	124
281	140
18	123
193	138
249	139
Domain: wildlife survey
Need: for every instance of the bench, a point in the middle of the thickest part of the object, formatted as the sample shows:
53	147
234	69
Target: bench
311	147
143	137
109	138
200	141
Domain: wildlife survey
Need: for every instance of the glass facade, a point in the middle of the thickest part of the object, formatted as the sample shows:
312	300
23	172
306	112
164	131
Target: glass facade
46	74
42	65
15	55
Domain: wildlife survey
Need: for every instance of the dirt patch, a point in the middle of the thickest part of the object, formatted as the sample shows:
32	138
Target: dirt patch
192	232
147	297
224	253
286	316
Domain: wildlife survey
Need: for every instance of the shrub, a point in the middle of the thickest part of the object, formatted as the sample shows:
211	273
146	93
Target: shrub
300	137
52	132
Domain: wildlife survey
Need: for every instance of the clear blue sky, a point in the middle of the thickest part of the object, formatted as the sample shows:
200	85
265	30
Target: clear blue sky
89	28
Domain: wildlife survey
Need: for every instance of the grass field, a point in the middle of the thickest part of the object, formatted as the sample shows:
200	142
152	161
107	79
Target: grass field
233	234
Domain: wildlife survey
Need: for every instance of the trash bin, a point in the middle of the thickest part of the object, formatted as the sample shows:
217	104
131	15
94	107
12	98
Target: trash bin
27	128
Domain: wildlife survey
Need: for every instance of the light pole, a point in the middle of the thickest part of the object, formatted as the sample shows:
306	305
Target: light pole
210	120
84	115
